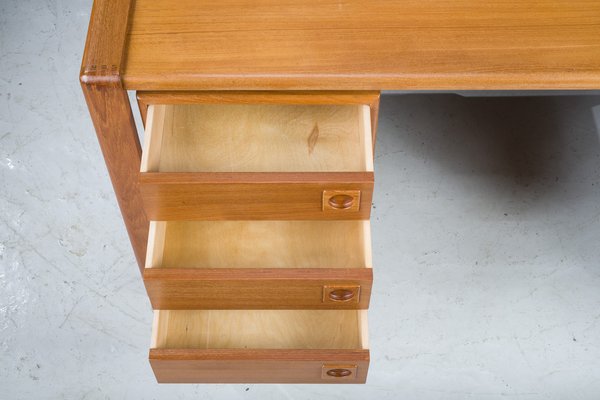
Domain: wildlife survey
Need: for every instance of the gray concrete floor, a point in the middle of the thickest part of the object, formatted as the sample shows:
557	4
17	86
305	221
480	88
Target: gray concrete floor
486	225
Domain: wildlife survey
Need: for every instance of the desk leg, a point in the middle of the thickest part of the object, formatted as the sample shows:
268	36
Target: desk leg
111	113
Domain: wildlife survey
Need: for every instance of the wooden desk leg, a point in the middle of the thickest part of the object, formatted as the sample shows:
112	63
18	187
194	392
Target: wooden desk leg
111	113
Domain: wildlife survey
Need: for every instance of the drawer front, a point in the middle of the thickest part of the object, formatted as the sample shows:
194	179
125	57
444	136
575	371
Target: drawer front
260	196
259	366
242	288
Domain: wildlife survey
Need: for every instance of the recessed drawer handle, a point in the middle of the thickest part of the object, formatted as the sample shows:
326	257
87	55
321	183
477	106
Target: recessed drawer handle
341	202
339	372
337	201
341	295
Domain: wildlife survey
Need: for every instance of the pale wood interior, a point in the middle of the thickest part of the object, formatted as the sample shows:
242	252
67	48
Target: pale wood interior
257	138
260	329
259	244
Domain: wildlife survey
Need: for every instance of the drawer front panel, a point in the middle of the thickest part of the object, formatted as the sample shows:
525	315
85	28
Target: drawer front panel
274	288
260	196
259	366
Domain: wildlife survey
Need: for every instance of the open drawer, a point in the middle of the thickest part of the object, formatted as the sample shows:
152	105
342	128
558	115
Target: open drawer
259	265
257	161
258	346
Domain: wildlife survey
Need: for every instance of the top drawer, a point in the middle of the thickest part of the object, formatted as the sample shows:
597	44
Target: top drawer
257	161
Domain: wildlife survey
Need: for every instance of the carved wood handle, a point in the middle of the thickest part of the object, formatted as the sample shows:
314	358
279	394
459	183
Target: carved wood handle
339	372
343	371
341	295
341	201
336	201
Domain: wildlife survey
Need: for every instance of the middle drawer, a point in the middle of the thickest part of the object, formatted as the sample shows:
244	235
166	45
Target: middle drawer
257	161
259	264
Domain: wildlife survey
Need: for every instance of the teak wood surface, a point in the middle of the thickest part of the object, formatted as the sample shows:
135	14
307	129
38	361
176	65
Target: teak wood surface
109	107
314	97
253	366
363	44
216	196
257	288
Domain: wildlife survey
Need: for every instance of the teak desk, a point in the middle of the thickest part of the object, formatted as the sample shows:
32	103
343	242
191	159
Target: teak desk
248	209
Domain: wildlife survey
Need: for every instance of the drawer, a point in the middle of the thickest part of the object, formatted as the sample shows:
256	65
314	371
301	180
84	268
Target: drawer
257	161
260	346
259	264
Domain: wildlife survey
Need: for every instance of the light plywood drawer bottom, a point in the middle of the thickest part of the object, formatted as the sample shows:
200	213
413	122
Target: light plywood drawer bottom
260	346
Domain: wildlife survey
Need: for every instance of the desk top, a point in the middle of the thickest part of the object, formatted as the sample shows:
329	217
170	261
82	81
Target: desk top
350	44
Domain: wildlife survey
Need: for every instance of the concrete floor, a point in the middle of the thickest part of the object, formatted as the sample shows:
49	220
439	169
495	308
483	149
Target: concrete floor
486	231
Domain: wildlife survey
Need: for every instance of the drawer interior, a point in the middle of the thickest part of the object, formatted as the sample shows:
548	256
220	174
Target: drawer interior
260	329
257	138
259	244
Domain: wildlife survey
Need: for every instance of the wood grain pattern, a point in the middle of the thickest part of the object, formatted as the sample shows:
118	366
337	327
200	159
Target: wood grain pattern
259	196
257	265
117	135
257	346
315	97
259	329
360	44
255	288
143	107
257	138
253	366
341	294
105	44
266	244
111	113
341	201
374	106
339	371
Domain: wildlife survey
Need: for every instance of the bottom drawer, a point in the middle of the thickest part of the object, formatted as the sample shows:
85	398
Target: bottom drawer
260	346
